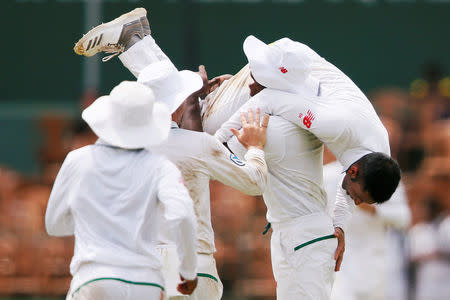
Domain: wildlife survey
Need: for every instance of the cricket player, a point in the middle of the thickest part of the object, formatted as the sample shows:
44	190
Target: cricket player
373	238
369	245
113	195
329	105
199	156
292	81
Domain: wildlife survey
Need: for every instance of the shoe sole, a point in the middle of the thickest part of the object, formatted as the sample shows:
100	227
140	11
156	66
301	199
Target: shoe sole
133	15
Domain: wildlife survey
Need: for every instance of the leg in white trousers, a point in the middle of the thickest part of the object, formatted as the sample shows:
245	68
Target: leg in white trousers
116	290
209	286
307	273
141	55
207	289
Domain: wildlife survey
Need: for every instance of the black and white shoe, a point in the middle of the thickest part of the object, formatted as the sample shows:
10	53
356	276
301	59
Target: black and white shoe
114	37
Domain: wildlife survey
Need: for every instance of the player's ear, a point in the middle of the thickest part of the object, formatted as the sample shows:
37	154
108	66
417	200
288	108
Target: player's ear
352	172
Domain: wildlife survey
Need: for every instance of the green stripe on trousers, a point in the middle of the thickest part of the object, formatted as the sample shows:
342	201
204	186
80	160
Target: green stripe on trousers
208	276
331	236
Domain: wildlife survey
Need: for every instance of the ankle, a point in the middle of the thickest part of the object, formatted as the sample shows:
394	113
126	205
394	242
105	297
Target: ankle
133	40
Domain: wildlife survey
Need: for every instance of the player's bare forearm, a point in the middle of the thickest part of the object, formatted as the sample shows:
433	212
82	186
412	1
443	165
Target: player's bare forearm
339	254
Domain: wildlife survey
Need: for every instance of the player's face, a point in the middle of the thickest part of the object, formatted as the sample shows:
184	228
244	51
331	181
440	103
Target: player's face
255	87
355	189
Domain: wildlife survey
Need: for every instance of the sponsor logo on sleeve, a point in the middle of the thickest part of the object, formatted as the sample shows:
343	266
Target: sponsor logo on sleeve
236	160
307	119
283	70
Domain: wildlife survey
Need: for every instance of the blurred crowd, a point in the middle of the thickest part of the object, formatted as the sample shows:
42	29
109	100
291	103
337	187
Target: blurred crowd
418	119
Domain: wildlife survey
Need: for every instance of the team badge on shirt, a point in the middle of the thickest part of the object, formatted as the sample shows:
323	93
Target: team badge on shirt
236	160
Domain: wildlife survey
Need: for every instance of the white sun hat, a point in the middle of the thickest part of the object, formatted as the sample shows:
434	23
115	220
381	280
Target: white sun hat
129	117
283	65
170	86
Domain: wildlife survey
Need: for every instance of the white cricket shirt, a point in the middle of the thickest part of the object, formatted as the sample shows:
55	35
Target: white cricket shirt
200	157
110	198
294	159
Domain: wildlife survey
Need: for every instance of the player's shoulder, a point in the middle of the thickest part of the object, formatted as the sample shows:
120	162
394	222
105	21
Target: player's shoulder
78	159
270	94
187	133
192	140
161	163
151	157
79	154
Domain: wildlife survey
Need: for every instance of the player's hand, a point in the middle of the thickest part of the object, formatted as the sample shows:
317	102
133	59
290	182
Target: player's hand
205	89
208	85
339	254
253	133
187	287
217	81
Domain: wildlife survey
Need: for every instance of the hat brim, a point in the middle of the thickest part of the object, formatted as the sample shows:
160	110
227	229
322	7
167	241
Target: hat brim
264	61
260	58
188	83
100	117
256	50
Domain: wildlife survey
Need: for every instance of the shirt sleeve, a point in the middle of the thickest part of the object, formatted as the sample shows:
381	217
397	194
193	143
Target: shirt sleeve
179	213
58	217
223	134
318	117
249	176
444	237
343	209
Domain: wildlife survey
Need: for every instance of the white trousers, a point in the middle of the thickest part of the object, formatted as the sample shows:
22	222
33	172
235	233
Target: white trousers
108	289
141	55
303	262
209	286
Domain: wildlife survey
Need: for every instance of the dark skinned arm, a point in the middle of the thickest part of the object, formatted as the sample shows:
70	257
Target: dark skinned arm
191	119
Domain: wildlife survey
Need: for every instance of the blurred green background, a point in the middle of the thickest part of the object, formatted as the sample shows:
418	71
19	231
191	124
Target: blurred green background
376	43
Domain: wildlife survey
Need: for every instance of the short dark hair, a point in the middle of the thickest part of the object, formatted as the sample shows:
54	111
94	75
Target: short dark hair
381	175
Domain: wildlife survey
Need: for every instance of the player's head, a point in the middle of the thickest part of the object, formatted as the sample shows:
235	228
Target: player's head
254	86
372	179
128	117
170	86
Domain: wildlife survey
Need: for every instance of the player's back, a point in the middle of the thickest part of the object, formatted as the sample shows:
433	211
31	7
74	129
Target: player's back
109	186
294	160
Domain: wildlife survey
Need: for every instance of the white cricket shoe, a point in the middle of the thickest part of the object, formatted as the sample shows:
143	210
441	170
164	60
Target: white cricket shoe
145	26
114	36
